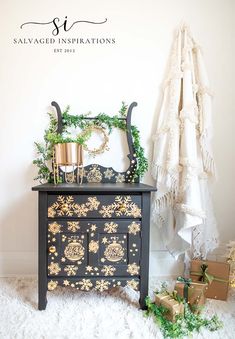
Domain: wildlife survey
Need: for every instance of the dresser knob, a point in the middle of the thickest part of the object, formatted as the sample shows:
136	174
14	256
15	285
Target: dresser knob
65	208
52	249
122	208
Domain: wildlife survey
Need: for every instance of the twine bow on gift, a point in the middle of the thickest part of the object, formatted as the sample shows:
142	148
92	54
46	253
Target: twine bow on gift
205	276
187	283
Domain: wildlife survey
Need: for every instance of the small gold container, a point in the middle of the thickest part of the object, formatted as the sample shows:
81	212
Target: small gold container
69	154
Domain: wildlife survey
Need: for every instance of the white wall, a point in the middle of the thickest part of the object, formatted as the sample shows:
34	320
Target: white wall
98	78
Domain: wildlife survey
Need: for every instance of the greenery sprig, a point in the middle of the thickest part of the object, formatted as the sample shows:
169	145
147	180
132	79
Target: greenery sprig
51	137
185	323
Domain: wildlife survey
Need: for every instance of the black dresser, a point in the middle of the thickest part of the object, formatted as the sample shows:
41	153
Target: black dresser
93	236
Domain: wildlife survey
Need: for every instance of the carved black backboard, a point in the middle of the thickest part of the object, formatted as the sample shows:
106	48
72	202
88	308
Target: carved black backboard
97	173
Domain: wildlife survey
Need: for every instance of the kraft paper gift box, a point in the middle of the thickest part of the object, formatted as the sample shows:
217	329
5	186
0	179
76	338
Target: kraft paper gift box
216	274
174	307
193	293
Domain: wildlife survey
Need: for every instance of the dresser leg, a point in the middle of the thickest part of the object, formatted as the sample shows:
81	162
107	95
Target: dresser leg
42	300
143	295
42	252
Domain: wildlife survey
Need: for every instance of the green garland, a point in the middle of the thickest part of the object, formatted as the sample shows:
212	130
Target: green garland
185	324
51	137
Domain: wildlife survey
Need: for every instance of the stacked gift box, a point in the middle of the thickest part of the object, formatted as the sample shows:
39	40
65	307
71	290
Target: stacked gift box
215	274
173	306
208	279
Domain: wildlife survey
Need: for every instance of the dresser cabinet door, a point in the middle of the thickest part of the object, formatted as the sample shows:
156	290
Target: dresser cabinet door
108	247
94	206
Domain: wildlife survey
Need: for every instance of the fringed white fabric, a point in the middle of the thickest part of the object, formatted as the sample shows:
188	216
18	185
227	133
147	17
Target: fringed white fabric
182	159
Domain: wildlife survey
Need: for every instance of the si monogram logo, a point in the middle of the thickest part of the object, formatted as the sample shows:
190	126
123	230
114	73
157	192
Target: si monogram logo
63	25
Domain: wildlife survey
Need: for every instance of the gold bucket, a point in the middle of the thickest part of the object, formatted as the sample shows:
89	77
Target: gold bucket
69	154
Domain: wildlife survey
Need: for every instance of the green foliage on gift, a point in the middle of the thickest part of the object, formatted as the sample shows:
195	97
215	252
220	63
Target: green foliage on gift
185	324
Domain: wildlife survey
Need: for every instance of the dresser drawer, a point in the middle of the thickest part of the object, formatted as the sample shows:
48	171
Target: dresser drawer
94	206
98	248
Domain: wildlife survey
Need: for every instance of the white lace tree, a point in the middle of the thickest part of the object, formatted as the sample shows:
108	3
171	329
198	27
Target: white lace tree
182	160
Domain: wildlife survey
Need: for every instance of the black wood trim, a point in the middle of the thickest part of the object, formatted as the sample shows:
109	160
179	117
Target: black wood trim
59	117
42	251
128	132
144	258
96	188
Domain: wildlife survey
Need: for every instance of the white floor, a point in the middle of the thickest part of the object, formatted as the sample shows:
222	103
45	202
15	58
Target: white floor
75	315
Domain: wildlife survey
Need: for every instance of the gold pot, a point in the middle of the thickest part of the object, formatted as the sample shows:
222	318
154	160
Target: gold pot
69	154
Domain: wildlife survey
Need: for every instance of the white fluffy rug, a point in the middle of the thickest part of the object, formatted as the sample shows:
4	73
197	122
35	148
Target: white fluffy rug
76	315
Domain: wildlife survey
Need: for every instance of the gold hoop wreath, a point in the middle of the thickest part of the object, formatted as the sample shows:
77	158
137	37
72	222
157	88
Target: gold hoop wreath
104	146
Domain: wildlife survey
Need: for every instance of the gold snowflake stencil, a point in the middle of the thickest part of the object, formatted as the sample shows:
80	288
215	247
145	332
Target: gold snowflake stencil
65	206
73	226
108	270
54	268
108	174
93	227
122	206
134	228
133	284
93	246
86	284
71	269
133	269
93	203
89	268
110	227
120	177
54	228
52	285
107	211
80	210
102	285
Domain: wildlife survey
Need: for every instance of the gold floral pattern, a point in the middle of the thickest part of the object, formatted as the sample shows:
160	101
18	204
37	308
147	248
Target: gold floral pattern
134	228
133	269
73	226
52	285
133	284
93	246
108	270
65	206
71	269
86	284
54	268
54	228
110	227
102	285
